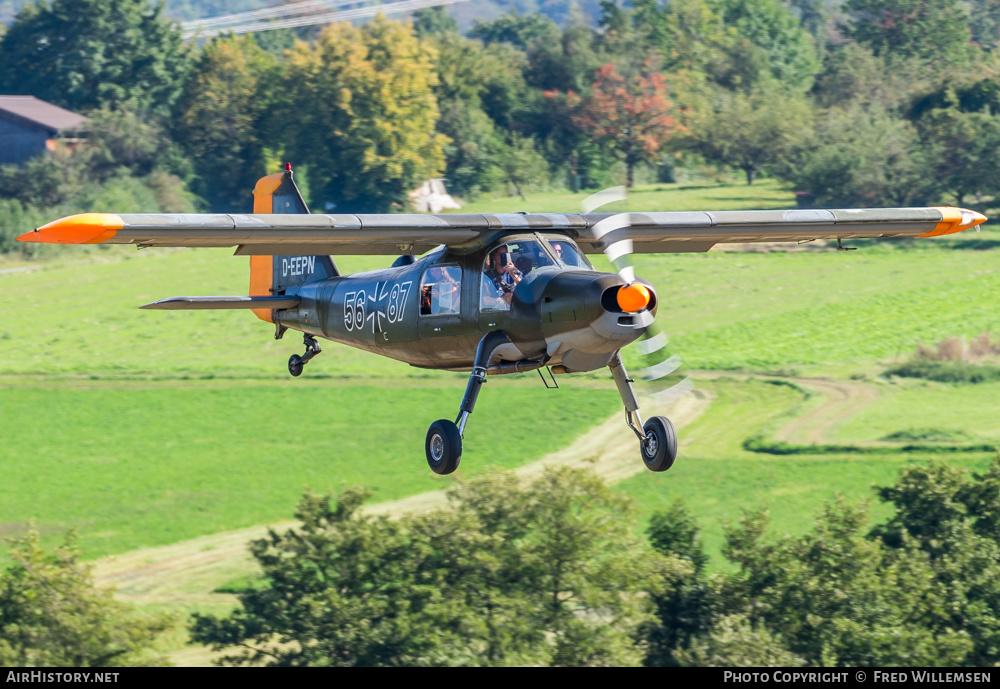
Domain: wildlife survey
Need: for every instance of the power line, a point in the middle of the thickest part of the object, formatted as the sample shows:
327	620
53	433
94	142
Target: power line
324	18
267	13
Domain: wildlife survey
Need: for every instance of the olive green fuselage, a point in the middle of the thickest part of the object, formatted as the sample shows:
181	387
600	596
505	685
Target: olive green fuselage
563	314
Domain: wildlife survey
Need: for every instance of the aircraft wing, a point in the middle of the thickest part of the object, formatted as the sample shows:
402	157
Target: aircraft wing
344	234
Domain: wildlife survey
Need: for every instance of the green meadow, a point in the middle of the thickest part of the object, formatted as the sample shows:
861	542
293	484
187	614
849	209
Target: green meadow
144	428
915	408
720	480
134	466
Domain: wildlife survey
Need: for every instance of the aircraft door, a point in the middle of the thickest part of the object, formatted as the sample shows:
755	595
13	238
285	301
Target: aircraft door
440	301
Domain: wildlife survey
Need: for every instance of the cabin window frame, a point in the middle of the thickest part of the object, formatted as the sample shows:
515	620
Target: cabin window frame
457	305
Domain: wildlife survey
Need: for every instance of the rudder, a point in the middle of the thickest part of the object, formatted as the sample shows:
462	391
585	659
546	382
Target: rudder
273	275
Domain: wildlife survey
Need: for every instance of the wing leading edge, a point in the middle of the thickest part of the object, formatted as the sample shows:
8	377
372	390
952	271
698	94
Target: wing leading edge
667	232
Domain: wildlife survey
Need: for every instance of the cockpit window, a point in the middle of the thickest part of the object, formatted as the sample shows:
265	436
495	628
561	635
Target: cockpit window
569	255
505	267
441	291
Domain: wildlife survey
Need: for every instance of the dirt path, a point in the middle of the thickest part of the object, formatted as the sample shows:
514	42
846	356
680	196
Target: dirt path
188	572
842	400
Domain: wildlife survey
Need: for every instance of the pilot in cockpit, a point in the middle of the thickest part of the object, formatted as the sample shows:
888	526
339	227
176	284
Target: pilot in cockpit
500	277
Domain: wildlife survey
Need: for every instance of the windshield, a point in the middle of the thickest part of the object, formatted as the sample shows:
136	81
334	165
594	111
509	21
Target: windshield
504	268
568	253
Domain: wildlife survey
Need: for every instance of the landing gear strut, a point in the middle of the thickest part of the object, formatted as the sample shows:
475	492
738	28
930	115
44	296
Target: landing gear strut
443	446
296	362
657	437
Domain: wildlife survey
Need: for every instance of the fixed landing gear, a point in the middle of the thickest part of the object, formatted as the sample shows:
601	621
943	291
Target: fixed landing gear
443	446
657	437
659	448
296	363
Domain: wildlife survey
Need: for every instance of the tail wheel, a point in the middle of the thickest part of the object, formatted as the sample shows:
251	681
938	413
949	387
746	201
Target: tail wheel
659	449
295	365
443	447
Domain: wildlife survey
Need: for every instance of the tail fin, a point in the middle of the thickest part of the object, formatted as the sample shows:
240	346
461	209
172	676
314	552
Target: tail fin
272	275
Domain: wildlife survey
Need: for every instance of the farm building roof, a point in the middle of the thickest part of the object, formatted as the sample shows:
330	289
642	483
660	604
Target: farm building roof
42	114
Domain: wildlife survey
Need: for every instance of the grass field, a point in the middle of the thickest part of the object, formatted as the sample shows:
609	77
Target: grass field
969	411
719	480
144	428
650	197
134	467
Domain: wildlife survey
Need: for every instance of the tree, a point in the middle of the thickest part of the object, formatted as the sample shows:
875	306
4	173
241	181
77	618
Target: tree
854	75
121	139
87	54
953	518
473	151
540	573
689	35
934	31
749	131
683	610
519	30
961	150
565	64
521	164
222	119
736	43
630	114
434	21
769	26
813	15
51	614
362	114
984	22
919	589
735	642
864	157
836	597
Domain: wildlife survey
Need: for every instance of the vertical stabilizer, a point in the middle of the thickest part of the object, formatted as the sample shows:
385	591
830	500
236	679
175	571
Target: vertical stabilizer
272	275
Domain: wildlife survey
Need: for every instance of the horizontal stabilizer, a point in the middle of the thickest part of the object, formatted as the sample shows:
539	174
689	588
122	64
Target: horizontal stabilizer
178	303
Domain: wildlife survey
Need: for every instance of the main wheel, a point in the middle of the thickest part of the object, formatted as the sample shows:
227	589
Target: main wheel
659	449
295	365
443	447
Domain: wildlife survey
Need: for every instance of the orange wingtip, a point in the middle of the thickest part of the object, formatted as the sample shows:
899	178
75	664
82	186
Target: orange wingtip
85	228
955	220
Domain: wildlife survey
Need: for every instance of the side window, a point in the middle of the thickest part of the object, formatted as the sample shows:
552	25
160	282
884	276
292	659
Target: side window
441	291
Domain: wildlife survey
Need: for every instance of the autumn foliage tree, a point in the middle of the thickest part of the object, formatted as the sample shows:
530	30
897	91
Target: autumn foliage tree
362	114
630	114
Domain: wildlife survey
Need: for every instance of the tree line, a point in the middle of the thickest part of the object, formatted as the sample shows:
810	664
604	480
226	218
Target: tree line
550	571
864	102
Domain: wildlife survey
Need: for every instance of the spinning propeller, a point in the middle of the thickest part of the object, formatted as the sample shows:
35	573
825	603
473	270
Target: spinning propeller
634	297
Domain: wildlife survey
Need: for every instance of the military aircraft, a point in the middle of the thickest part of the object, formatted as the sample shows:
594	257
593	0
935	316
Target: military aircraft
491	294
